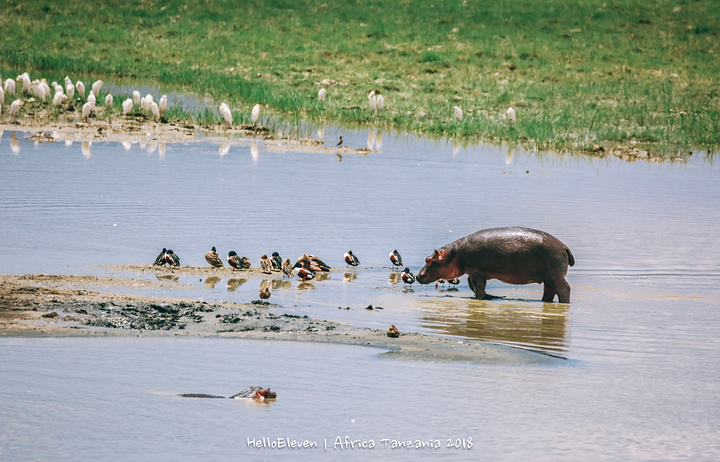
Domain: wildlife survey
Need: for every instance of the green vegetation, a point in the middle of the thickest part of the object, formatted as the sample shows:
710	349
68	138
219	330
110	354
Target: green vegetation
577	73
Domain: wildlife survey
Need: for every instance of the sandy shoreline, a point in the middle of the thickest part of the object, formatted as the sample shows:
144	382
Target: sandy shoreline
41	305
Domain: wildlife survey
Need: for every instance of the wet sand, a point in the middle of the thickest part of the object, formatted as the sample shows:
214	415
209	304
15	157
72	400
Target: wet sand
41	305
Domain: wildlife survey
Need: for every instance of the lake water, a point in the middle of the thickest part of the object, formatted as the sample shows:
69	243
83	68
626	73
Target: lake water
641	334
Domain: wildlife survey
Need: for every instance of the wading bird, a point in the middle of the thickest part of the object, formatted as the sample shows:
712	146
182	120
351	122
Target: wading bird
339	142
155	110
10	86
70	91
408	277
265	293
15	108
127	106
86	110
380	102
58	98
2	96
321	95
276	261
457	113
234	260
255	113
510	115
225	113
265	264
213	259
96	86
351	259
162	105
80	87
108	101
160	260
91	99
395	259
136	98
372	101
287	267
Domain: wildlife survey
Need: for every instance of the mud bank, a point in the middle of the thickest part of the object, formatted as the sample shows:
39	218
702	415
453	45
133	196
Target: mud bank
38	305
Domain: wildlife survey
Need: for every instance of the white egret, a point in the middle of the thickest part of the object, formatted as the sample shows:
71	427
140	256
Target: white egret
59	98
2	96
457	113
127	106
70	91
80	87
162	105
38	91
15	108
25	80
380	102
45	87
149	99
56	88
108	101
143	104
255	113
372	101
96	86
10	86
510	115
91	99
86	110
225	112
67	81
155	111
321	95
136	98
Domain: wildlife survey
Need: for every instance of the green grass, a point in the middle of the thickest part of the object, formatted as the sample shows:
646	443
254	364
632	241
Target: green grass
577	73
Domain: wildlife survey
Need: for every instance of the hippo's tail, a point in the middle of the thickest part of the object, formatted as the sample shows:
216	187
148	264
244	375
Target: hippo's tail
571	259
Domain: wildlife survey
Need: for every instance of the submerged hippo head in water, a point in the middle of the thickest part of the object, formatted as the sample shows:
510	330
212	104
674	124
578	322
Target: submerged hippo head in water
511	255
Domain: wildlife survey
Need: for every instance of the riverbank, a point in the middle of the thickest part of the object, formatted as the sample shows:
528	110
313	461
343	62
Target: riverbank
40	305
586	78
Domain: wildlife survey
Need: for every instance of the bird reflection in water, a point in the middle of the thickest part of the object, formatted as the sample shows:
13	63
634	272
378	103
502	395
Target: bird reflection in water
167	277
233	284
395	277
349	277
211	281
305	285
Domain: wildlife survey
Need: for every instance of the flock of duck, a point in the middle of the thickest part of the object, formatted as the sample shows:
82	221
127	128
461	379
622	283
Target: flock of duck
305	267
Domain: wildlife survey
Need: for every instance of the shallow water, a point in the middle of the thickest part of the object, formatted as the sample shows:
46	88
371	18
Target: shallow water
641	333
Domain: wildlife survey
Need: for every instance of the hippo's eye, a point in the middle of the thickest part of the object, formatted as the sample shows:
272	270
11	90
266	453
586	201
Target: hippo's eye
428	260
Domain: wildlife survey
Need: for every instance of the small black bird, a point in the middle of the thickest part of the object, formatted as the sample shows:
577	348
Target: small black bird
339	142
160	258
276	262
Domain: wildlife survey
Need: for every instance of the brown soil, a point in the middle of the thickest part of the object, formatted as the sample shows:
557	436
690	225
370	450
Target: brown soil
37	305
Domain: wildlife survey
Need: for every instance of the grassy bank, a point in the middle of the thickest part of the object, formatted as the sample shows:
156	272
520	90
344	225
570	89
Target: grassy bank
577	73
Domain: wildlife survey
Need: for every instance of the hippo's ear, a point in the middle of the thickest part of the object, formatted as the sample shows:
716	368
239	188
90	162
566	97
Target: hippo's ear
438	255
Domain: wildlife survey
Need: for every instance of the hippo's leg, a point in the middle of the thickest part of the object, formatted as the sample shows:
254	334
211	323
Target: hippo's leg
477	285
559	287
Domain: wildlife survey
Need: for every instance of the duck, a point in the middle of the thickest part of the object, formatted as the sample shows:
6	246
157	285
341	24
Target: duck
454	281
276	261
266	264
351	259
312	263
265	293
287	267
172	258
234	260
304	273
393	331
213	259
407	276
159	260
396	259
245	262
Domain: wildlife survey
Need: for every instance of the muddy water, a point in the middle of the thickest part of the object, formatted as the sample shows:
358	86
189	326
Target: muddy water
641	380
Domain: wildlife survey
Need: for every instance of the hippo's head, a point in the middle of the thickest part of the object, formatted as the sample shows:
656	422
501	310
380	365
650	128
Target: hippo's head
442	264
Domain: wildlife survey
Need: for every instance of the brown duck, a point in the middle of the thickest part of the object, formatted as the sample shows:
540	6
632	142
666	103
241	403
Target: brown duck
213	258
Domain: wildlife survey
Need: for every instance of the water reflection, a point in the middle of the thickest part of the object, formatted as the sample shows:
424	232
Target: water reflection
85	149
304	285
224	147
349	277
211	281
395	277
233	284
167	277
511	322
127	145
14	145
254	152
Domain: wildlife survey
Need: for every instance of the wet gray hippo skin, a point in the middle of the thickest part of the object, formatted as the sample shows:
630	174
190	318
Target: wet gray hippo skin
511	255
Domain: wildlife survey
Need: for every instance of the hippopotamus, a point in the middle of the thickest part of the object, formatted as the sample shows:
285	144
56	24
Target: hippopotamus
512	255
256	393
